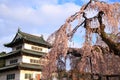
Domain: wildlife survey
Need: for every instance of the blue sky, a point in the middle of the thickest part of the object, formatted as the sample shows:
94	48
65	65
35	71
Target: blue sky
35	16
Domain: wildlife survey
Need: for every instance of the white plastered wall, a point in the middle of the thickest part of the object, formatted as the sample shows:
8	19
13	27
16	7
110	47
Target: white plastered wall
3	75
29	47
7	61
26	59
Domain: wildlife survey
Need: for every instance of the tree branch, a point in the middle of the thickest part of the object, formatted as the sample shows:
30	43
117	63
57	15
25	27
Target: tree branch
114	46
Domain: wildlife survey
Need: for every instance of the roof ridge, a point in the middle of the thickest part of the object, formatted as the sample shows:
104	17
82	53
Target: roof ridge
29	37
29	34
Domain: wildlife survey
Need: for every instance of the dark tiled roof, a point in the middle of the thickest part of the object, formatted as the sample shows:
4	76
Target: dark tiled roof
32	38
8	67
30	52
30	66
11	53
22	66
23	51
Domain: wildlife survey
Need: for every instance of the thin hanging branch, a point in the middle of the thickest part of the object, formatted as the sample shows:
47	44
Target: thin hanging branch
98	55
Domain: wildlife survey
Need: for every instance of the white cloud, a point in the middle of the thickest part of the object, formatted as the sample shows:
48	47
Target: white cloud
35	18
86	1
3	41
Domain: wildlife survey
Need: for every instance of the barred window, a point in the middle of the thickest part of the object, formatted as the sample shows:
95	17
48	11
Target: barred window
36	48
11	77
34	61
13	61
28	76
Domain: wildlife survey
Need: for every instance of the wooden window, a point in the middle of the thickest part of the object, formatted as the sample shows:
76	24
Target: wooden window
36	48
28	76
10	77
40	61
13	61
34	61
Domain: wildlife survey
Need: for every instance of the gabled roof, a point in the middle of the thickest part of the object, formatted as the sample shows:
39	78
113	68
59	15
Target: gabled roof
28	37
